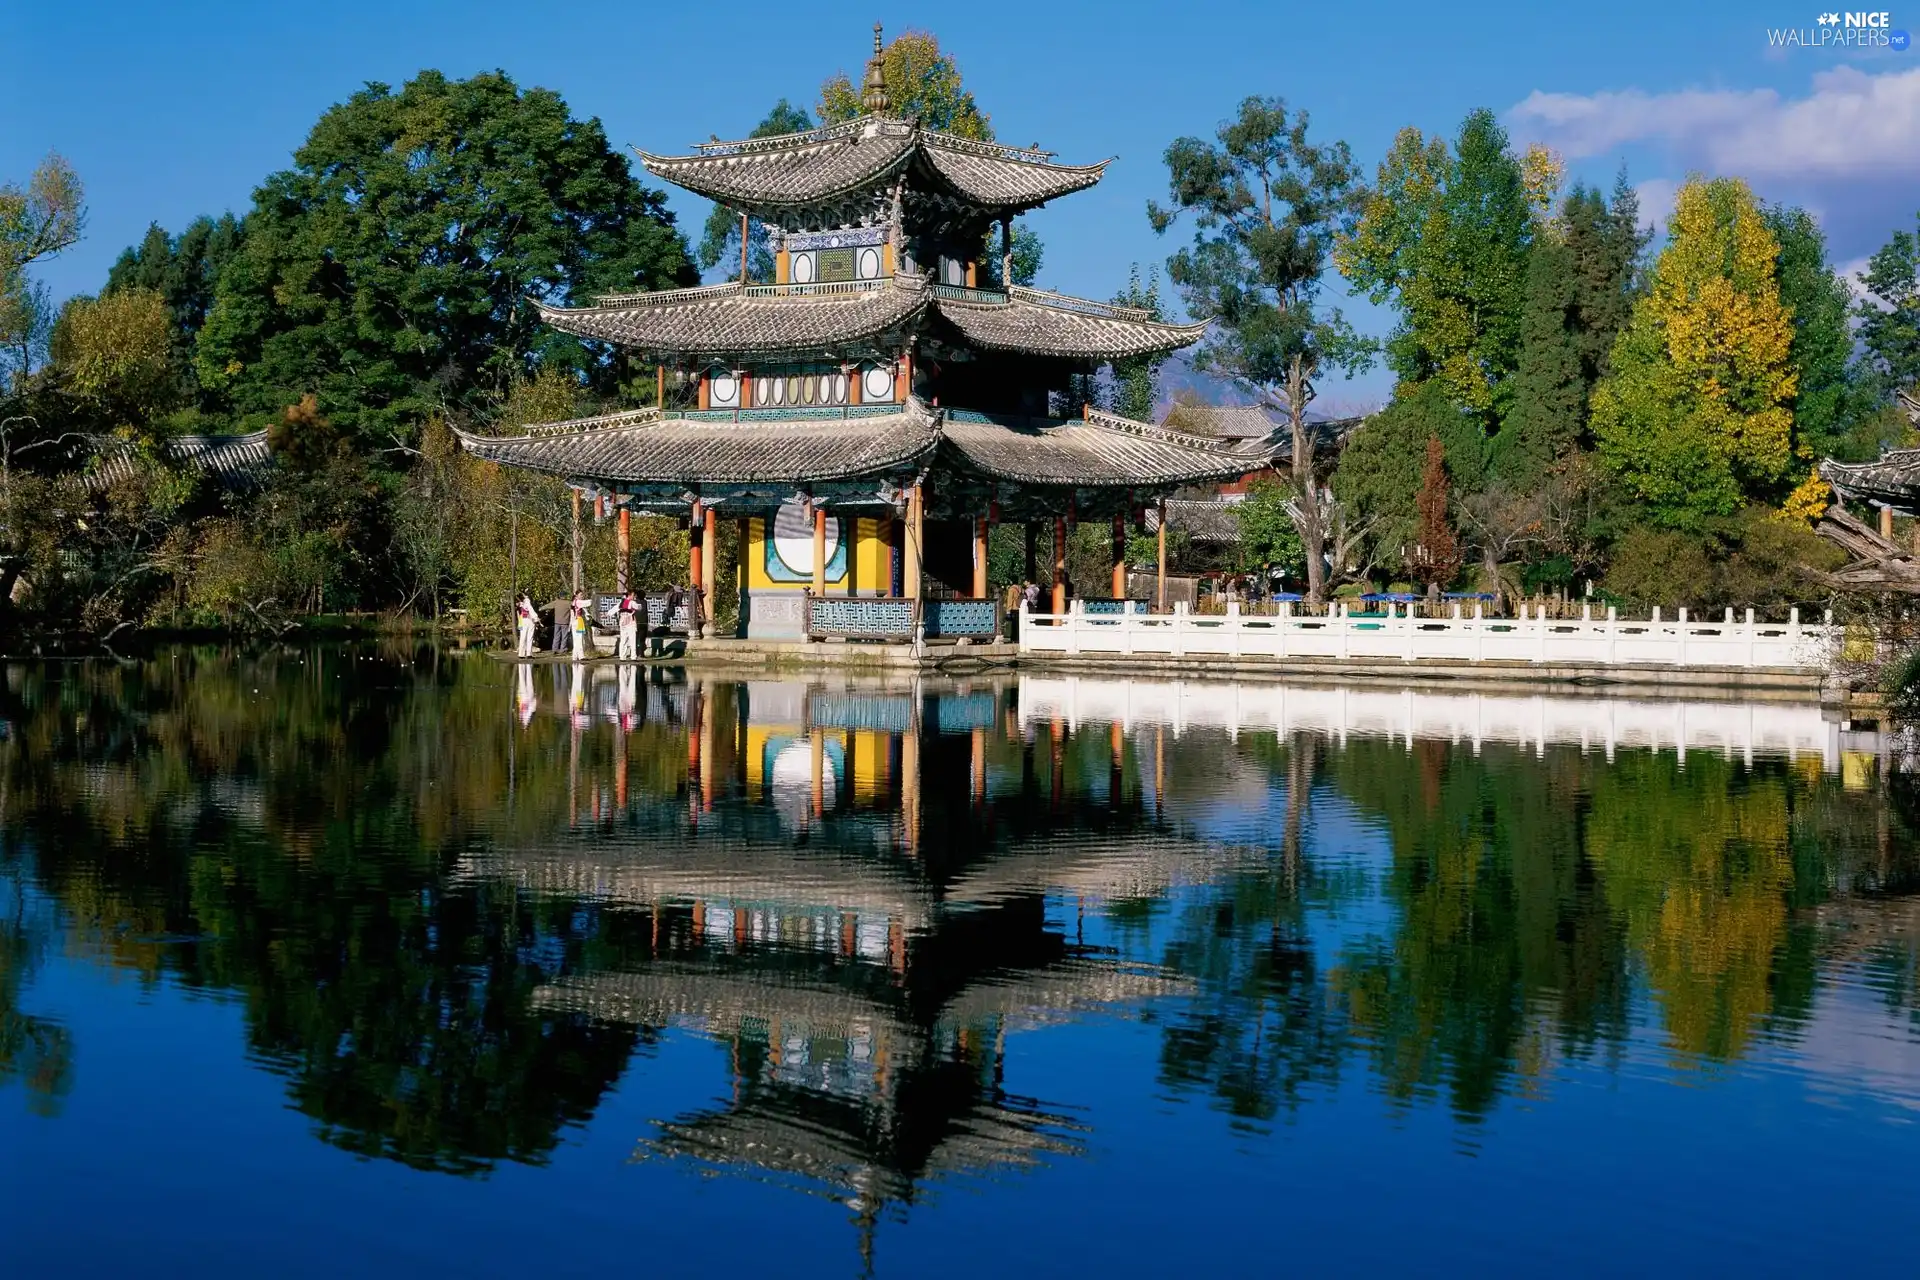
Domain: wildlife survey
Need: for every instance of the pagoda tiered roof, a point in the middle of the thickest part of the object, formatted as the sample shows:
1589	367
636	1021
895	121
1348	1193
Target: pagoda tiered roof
741	321
787	446
769	176
794	446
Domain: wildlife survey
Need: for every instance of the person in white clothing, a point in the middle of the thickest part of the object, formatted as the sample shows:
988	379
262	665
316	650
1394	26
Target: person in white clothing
527	620
629	628
579	623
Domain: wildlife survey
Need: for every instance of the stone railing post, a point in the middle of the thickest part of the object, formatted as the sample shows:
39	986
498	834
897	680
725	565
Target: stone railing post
1750	637
1680	636
1613	634
1233	628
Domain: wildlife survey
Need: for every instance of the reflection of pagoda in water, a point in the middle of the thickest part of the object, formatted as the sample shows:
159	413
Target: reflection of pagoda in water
860	893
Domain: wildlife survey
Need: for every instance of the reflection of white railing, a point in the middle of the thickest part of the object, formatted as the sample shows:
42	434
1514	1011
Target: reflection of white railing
1603	641
1590	723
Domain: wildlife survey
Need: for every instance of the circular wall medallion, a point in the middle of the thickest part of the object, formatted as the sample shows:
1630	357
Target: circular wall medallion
876	384
779	390
723	389
839	388
793	537
869	268
803	268
762	390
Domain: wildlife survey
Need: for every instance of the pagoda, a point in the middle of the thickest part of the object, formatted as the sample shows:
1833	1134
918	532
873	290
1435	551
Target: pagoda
869	415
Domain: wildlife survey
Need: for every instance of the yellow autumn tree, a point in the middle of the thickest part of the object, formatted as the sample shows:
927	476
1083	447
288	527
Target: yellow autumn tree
922	82
1696	415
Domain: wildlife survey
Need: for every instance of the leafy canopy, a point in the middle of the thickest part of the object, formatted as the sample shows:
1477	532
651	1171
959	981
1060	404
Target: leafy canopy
720	240
1696	415
387	271
1890	317
923	83
1267	205
1445	236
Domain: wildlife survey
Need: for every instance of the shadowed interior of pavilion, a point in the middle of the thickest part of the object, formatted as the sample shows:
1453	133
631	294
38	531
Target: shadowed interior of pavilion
870	416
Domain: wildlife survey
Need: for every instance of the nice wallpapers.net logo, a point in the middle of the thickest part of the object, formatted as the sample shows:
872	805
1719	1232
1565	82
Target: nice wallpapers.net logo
1843	32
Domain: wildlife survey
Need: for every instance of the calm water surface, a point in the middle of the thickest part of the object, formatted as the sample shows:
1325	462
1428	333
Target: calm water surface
384	961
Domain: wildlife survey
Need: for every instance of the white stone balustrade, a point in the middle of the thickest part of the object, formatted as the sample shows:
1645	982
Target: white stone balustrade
1531	722
1607	640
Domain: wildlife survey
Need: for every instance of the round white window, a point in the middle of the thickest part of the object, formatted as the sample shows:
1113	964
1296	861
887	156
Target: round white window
793	537
803	268
877	384
724	389
839	388
869	264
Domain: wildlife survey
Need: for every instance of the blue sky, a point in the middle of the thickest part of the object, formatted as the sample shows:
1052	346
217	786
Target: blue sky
174	110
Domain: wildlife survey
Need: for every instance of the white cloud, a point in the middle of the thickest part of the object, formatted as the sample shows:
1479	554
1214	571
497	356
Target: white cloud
1848	150
1852	124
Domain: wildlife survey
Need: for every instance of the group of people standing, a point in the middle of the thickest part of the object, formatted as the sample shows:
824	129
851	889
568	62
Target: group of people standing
631	613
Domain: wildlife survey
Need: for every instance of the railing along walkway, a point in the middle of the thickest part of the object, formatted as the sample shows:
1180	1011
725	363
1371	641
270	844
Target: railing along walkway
1398	634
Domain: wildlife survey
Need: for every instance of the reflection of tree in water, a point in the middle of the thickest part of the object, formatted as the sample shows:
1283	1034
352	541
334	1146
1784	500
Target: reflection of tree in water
292	846
35	1052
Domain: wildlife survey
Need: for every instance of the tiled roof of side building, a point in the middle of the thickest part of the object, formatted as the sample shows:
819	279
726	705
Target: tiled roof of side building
644	448
1102	449
734	319
1228	421
799	169
1036	321
238	462
1892	479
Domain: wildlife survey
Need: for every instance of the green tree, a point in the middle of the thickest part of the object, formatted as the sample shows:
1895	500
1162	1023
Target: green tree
1581	275
720	240
1822	348
387	271
112	352
1695	416
36	222
1381	468
1890	317
1267	205
1268	539
185	271
1445	236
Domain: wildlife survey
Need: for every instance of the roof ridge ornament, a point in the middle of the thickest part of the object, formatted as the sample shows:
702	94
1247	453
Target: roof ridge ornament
873	94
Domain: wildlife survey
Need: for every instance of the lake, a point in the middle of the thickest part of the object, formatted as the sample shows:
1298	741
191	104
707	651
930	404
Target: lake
395	960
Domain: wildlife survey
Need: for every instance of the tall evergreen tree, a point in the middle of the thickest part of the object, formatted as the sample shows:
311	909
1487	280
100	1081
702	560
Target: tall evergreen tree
185	270
1890	318
1581	275
1444	236
1268	205
720	241
1819	299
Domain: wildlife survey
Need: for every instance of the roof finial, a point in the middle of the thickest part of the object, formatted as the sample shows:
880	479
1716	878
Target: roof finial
873	94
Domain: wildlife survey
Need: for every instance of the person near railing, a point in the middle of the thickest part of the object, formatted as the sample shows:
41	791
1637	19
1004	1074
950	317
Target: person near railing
578	625
526	618
630	610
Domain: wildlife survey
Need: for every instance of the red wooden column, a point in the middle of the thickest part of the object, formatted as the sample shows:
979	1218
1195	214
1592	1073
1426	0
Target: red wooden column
980	558
696	569
1119	555
1059	564
1160	574
819	550
709	562
623	548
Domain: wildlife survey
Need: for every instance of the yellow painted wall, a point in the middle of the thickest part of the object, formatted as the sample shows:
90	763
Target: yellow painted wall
866	559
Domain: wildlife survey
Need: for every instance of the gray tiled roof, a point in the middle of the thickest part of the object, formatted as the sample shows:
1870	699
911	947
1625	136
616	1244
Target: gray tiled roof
1034	320
643	448
767	447
825	164
1891	480
1204	520
1103	449
734	319
1228	421
238	462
